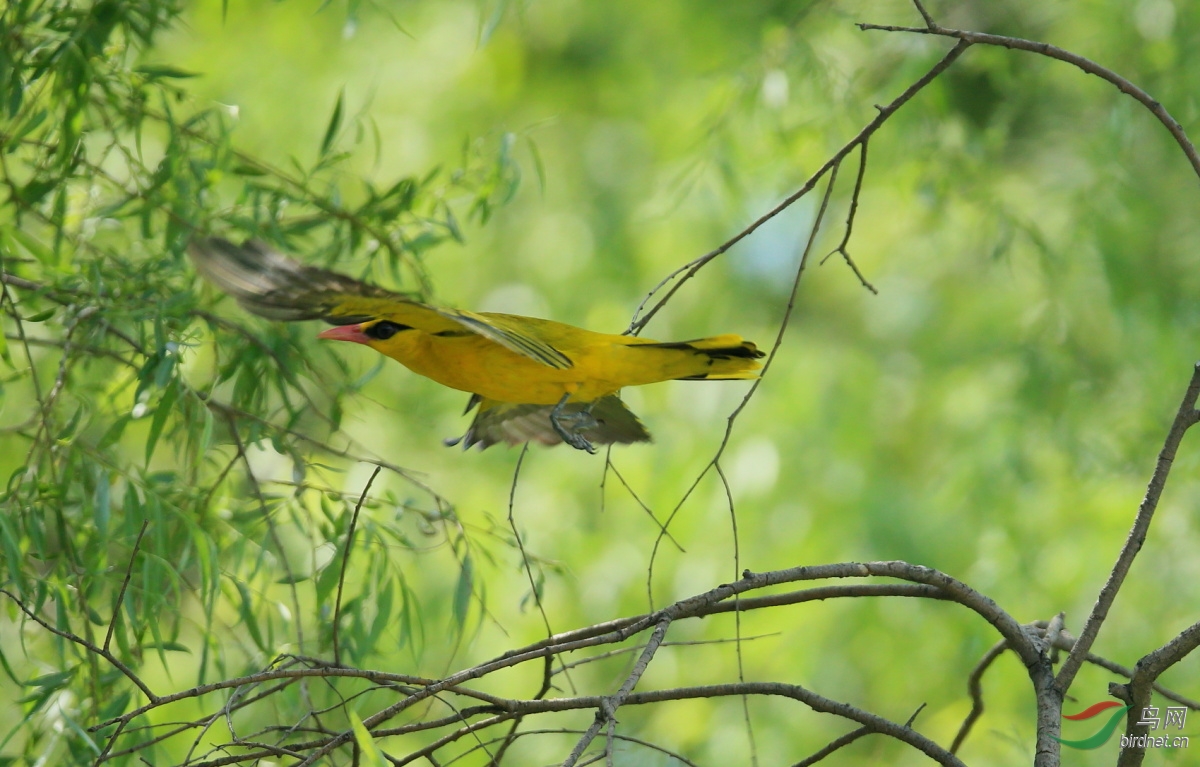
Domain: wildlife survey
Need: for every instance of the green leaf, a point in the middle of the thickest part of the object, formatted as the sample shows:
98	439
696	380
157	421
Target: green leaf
34	246
160	417
383	616
115	706
207	433
246	610
452	225
33	192
157	71
538	166
487	26
41	316
101	504
54	681
113	433
168	646
463	591
67	432
29	125
326	582
335	122
82	735
371	757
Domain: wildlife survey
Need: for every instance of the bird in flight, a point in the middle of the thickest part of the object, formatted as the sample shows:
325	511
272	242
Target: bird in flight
531	379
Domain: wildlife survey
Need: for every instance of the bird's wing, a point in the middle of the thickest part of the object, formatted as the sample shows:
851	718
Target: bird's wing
513	424
510	336
270	284
267	283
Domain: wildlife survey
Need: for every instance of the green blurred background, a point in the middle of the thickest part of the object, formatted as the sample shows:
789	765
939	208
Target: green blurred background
994	412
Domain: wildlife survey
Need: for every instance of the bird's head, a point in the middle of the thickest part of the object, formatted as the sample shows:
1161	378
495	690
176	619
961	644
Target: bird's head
378	334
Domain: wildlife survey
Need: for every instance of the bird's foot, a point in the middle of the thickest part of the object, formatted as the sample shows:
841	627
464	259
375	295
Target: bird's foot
569	425
569	429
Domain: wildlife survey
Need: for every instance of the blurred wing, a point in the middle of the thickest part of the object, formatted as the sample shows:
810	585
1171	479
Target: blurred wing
267	283
513	424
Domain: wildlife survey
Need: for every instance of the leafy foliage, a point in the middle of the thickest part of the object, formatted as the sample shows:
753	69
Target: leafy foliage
149	407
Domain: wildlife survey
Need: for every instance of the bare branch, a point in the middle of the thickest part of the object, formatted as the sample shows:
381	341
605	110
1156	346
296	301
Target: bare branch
924	13
1145	674
90	647
608	706
624	738
1185	418
975	689
795	692
1065	642
608	464
847	739
714	462
690	269
854	197
1087	65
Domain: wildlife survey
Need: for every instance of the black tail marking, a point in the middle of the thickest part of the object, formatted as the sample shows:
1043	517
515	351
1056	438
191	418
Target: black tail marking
745	350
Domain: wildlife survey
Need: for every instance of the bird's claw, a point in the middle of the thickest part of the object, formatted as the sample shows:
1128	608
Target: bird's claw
572	436
578	441
569	426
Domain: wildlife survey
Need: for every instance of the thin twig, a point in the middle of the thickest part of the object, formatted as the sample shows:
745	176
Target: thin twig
847	739
690	269
638	648
902	732
512	524
511	737
1065	641
269	518
337	604
975	689
1185	418
737	614
624	738
607	709
835	745
729	421
537	598
854	197
649	512
112	623
90	647
1045	49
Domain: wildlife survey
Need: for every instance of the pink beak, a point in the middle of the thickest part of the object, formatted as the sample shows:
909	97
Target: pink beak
345	333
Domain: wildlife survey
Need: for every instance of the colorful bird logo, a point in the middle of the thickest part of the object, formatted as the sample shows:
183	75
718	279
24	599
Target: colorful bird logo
1104	733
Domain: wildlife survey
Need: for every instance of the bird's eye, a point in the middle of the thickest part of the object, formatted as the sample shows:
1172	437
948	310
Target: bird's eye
385	330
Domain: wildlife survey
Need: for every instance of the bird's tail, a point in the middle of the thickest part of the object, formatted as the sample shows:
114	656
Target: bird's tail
514	423
711	359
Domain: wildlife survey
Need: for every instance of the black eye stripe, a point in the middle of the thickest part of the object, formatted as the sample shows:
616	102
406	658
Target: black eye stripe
384	330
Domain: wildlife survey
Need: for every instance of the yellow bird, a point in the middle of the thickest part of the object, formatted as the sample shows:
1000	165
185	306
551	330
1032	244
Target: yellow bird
532	379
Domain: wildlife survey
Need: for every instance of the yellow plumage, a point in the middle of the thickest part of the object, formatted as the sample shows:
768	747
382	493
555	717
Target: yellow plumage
502	358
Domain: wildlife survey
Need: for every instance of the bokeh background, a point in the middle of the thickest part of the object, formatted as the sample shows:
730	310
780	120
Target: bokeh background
994	412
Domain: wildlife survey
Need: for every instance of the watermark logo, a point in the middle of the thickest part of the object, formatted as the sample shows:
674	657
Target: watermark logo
1104	733
1176	717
